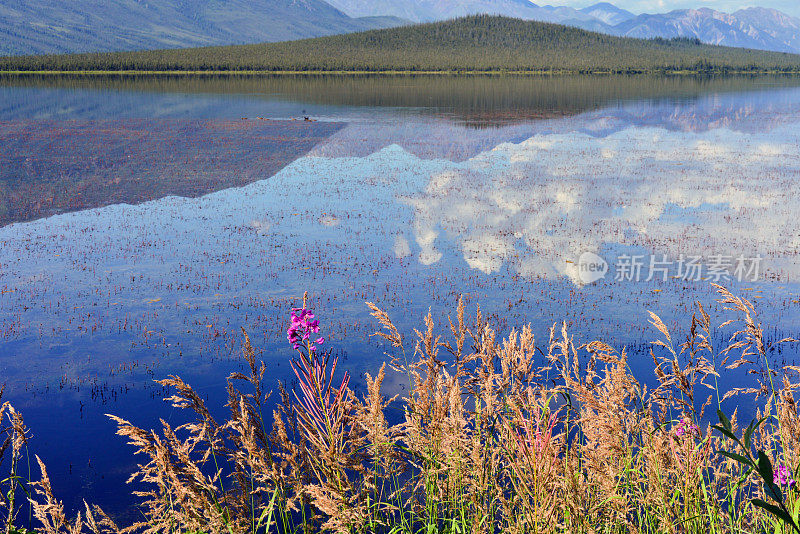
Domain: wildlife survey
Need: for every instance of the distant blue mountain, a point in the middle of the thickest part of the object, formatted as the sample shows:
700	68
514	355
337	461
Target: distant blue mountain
608	13
434	10
760	28
59	26
750	28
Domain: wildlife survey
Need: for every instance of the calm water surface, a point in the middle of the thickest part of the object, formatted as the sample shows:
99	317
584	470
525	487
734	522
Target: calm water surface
143	223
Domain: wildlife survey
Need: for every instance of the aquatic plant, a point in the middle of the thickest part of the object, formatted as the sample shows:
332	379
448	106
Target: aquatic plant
489	435
14	435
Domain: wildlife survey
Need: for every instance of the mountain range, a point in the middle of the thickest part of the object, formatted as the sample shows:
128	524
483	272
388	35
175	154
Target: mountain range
56	26
759	28
474	43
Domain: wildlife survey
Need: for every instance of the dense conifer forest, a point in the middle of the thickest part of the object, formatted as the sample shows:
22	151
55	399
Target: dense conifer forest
475	43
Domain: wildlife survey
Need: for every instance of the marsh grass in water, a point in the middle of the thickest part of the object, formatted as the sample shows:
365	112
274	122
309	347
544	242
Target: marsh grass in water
487	441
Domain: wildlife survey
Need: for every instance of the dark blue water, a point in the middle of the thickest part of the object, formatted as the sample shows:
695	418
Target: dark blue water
158	223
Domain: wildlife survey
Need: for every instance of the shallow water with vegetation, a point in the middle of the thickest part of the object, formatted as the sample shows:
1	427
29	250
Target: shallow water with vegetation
145	221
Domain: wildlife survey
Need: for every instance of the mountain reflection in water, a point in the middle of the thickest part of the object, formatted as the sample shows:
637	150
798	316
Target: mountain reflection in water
49	167
407	192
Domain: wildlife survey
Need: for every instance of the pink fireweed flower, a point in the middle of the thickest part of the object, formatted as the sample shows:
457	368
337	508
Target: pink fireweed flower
686	427
303	324
324	406
783	477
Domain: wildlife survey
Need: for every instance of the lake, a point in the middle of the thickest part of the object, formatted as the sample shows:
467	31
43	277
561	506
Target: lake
145	221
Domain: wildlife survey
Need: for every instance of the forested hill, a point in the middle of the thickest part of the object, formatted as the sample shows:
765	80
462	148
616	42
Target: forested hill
475	43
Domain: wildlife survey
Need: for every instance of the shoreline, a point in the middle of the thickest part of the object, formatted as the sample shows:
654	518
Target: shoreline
465	73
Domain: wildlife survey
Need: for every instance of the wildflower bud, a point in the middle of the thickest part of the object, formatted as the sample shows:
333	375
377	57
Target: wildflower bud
783	477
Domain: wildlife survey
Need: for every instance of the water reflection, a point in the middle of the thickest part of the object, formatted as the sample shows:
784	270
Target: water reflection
475	101
49	167
540	203
406	207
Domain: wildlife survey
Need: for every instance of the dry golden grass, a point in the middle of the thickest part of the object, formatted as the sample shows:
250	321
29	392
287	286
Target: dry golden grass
487	441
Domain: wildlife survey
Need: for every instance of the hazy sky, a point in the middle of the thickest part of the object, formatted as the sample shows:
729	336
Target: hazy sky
791	7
